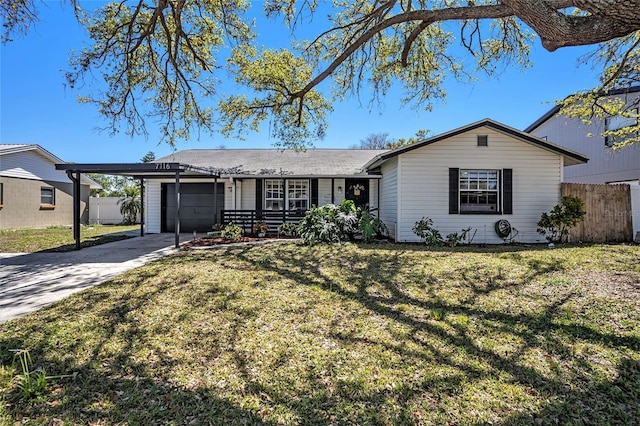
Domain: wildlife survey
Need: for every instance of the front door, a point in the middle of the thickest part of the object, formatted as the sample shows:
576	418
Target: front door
357	190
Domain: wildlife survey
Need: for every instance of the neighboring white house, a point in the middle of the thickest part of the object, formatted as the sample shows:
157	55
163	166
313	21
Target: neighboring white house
469	177
606	164
33	193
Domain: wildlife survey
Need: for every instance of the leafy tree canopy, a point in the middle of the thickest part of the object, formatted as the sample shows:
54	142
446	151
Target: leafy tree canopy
114	186
163	60
384	141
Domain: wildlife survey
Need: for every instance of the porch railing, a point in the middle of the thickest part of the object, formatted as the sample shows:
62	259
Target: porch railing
273	218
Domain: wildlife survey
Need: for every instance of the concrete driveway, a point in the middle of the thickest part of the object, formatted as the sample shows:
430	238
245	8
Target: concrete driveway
30	281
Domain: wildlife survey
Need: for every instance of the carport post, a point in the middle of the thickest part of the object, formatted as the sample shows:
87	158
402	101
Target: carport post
141	207
215	200
76	206
177	217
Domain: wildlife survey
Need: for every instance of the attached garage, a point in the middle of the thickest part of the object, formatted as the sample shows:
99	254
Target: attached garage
198	206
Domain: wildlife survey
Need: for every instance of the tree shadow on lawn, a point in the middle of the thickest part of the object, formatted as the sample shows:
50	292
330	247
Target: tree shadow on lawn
131	379
121	387
95	240
584	397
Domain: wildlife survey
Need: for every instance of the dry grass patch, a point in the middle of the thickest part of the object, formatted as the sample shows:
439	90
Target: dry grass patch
392	334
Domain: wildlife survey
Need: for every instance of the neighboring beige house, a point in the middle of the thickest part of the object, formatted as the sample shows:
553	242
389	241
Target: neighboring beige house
469	177
606	165
33	193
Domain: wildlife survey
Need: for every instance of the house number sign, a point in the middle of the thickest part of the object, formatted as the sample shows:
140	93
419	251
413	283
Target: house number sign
163	166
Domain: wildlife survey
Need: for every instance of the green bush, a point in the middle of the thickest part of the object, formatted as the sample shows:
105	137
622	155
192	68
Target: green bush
329	223
427	233
231	232
555	225
370	226
288	230
463	237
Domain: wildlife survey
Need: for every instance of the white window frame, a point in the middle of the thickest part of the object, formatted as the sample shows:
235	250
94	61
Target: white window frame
296	197
479	183
298	194
271	188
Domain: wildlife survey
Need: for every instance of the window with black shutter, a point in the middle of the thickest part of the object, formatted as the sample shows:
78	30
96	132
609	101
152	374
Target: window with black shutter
480	191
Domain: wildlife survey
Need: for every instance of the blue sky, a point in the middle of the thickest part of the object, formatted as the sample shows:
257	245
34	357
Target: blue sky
36	107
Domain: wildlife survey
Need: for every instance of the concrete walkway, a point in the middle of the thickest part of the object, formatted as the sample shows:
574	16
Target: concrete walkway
30	281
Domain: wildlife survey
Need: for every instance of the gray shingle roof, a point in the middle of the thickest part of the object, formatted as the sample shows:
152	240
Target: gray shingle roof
273	162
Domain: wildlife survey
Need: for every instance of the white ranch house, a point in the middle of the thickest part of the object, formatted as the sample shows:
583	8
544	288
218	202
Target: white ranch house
472	176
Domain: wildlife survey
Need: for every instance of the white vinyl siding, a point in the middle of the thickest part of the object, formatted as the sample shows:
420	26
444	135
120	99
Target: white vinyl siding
389	195
324	191
424	184
373	193
248	198
340	190
152	194
30	165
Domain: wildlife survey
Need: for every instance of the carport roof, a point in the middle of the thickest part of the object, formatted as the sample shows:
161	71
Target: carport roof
156	170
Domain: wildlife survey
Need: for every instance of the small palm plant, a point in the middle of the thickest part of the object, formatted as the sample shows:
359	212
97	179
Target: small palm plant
130	205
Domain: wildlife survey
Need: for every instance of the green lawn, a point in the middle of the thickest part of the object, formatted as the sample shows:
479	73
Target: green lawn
59	238
379	334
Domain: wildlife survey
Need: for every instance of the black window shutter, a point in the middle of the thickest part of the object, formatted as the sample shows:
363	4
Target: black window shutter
259	199
314	192
453	190
507	191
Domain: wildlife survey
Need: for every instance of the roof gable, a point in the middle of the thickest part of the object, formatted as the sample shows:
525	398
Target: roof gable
7	149
571	157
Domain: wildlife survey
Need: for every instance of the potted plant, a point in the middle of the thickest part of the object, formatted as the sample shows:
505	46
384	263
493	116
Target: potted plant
260	229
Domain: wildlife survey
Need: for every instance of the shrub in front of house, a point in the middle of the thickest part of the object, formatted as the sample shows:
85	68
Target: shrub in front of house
425	230
260	229
329	223
232	232
555	225
369	225
288	230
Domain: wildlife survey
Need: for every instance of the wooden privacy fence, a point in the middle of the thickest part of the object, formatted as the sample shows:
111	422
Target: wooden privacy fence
609	213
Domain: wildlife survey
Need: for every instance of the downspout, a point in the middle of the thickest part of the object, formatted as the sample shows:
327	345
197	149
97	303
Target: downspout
233	192
378	197
215	200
